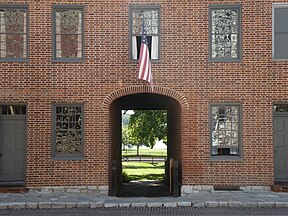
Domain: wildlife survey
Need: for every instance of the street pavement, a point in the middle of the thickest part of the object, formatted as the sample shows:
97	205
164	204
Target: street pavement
162	211
60	200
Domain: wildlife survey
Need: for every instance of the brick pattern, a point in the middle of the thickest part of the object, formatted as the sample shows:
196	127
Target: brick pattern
279	188
13	190
145	89
184	74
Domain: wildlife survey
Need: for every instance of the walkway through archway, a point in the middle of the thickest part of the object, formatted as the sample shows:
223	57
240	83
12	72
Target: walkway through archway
144	101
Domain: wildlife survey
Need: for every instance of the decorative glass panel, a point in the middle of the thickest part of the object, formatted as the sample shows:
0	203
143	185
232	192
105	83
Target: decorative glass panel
68	33
13	33
224	129
224	33
150	17
280	108
68	130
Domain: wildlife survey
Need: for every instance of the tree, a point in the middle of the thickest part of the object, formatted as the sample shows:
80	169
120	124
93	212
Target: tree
125	137
147	126
125	131
125	118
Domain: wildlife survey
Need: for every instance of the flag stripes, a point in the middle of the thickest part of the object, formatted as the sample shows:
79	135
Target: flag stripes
144	59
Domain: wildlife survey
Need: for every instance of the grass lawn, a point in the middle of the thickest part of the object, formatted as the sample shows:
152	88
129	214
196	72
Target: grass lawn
144	171
145	152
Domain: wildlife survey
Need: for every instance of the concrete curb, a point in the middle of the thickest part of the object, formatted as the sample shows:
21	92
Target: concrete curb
206	204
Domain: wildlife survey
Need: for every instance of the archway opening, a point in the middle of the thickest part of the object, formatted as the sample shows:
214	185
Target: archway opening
144	153
144	102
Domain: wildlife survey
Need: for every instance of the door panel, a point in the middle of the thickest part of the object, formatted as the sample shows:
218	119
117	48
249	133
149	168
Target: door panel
281	148
12	147
19	166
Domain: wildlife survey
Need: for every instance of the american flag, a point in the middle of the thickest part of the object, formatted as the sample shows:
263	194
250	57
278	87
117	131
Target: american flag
144	60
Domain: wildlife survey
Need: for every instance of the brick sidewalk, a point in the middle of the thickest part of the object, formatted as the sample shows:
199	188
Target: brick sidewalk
203	199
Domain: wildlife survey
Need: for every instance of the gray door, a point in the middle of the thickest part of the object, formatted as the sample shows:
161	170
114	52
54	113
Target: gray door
281	148
12	149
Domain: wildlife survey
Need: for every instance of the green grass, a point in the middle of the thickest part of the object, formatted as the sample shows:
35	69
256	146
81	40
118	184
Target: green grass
144	171
145	152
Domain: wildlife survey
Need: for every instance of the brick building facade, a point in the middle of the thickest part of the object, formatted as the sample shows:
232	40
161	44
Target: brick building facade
219	68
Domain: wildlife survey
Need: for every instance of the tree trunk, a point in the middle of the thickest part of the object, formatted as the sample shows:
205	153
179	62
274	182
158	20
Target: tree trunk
137	149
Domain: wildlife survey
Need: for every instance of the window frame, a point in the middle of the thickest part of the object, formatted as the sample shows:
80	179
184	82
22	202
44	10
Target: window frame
274	6
25	7
240	148
237	7
144	7
280	104
54	154
22	108
67	7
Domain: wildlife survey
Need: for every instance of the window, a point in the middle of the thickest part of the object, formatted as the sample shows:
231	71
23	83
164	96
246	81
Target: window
13	33
67	131
13	110
68	33
225	126
225	33
280	108
151	17
280	31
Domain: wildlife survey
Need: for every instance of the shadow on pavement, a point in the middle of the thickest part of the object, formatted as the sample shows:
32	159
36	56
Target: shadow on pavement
149	188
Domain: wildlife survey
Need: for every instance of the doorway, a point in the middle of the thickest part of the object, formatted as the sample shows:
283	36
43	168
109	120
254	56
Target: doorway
12	144
144	101
280	130
144	153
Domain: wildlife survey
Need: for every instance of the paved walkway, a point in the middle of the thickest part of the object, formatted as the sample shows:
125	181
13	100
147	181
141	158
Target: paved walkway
203	199
143	189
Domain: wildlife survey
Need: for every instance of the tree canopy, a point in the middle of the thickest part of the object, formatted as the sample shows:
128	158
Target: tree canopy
145	127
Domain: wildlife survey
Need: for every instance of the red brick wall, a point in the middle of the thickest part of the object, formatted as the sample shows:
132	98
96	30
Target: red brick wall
255	82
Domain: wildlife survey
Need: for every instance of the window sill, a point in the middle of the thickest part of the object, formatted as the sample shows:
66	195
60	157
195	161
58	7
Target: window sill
67	157
226	158
152	61
278	60
67	60
13	60
224	60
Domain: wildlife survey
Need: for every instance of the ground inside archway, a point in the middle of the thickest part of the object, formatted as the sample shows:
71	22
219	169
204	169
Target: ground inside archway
145	188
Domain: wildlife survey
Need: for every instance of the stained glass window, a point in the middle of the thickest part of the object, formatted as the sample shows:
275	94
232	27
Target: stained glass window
68	30
225	29
13	33
68	129
280	108
150	17
225	130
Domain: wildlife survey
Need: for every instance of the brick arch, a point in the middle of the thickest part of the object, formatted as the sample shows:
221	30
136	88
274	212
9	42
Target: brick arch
145	89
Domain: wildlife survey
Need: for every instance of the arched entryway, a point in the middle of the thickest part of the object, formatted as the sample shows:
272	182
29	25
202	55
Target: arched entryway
144	101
